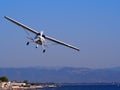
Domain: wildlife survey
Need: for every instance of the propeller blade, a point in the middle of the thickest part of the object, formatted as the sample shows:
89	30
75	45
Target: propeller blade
41	33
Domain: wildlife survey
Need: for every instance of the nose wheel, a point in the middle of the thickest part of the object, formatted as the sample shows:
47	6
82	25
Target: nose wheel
37	46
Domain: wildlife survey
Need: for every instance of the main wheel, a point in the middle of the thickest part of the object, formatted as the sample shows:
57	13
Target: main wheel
27	43
44	51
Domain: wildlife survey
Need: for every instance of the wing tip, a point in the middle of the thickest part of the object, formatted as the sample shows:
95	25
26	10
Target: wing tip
78	49
6	17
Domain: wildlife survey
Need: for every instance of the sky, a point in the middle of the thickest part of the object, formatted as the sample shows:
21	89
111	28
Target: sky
91	25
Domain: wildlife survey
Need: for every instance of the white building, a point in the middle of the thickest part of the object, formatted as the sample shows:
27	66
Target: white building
10	85
5	85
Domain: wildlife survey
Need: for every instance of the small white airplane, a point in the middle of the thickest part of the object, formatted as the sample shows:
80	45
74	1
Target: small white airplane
40	37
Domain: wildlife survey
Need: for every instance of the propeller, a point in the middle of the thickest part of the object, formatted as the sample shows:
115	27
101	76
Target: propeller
41	33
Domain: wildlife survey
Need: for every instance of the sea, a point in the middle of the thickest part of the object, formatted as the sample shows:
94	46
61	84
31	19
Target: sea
85	87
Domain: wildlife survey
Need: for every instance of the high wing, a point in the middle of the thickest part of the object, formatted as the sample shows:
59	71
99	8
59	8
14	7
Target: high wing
35	32
62	43
20	24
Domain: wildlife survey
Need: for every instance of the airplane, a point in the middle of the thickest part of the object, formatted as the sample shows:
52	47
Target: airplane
40	38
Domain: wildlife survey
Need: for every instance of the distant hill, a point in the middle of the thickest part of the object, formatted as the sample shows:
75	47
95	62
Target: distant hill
62	75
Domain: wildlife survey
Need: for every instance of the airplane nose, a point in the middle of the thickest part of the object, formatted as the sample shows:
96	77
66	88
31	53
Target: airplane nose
43	36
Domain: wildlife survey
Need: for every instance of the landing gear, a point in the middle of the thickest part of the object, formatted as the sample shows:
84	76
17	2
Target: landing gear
44	51
27	43
37	46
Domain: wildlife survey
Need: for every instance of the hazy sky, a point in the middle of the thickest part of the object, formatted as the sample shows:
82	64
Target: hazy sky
91	25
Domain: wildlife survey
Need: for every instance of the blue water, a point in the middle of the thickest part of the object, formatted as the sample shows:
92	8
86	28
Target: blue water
85	87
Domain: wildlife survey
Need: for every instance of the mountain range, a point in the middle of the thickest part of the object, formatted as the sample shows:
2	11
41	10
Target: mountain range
62	75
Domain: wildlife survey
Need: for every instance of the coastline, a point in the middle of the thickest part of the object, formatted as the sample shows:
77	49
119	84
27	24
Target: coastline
23	86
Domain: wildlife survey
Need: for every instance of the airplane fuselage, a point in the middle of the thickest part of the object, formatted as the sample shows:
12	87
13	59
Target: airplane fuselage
39	40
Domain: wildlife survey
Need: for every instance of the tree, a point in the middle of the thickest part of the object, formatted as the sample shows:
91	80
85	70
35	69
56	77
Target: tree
4	79
25	81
